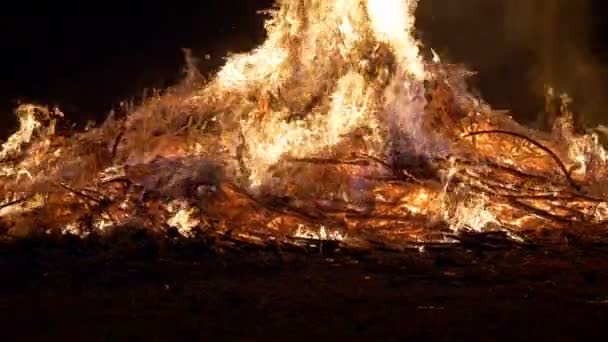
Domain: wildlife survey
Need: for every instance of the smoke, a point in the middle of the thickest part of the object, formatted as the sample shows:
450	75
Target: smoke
518	47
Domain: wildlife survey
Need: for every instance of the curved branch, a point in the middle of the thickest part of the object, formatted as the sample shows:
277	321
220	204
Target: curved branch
535	143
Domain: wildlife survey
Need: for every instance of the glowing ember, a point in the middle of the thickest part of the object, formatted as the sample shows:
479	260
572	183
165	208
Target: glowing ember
334	121
322	234
184	218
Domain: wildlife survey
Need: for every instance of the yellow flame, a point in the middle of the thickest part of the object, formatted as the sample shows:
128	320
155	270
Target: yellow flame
184	218
320	234
471	214
28	124
267	143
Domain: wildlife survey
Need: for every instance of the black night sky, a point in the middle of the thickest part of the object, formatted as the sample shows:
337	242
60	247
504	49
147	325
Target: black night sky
88	57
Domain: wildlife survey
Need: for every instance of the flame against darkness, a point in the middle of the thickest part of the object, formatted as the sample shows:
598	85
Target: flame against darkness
336	127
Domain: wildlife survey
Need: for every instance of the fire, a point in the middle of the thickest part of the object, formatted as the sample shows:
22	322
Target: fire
184	218
335	128
269	142
322	40
393	21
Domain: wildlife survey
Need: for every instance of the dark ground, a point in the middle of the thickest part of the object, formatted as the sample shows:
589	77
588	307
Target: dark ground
125	290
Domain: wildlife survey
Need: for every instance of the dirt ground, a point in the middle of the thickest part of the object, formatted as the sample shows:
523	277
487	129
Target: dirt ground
135	289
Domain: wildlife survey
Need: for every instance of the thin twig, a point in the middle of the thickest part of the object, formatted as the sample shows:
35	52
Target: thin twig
101	202
17	201
540	212
512	171
79	193
117	141
322	161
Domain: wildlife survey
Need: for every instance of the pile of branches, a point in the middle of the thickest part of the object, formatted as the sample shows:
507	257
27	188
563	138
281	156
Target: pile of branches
495	177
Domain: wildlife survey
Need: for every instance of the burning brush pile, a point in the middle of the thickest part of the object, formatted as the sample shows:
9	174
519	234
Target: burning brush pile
335	128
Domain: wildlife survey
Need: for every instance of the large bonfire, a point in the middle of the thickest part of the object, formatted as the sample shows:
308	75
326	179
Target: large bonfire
335	128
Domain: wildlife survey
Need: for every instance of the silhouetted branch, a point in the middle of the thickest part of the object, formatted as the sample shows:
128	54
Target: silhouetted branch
535	143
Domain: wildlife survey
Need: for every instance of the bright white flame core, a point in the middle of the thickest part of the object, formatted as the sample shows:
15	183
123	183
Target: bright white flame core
393	22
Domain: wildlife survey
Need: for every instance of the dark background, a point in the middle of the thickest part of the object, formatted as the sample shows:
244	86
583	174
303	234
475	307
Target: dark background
87	58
